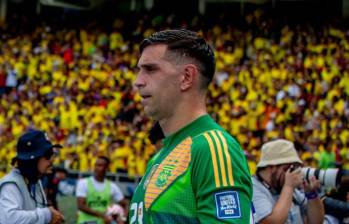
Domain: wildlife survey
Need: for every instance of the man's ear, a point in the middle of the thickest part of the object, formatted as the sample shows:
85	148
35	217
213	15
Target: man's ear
189	76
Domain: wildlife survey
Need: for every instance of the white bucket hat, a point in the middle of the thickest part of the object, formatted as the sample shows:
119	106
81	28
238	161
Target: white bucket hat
278	152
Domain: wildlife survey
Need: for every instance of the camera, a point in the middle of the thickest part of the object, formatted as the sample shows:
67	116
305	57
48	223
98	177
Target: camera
328	177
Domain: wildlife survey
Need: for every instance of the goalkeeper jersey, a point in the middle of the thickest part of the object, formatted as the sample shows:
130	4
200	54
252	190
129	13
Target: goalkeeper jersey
199	176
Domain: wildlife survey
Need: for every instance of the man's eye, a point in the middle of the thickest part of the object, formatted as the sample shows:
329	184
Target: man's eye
150	69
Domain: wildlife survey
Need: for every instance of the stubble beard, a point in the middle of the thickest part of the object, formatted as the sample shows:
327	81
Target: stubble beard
275	183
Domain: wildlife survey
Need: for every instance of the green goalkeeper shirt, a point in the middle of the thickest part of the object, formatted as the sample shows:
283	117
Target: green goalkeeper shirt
199	176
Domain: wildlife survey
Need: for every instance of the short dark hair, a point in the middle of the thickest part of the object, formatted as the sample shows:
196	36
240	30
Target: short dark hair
106	159
186	43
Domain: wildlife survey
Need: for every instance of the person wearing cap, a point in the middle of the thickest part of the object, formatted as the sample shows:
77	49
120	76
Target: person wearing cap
22	199
280	194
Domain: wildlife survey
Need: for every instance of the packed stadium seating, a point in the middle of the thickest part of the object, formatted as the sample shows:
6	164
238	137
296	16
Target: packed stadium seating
272	81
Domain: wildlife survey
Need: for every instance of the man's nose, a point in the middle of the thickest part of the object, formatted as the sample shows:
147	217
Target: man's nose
139	82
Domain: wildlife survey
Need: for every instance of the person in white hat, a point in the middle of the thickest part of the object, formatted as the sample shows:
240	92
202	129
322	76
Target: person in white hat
280	194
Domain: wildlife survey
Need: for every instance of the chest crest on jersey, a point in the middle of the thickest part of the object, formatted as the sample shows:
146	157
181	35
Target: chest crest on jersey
175	164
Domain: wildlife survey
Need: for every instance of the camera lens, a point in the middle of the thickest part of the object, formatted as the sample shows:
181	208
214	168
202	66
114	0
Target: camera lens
327	177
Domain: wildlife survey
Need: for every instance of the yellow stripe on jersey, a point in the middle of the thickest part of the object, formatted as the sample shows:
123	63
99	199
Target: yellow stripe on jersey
214	159
227	155
221	158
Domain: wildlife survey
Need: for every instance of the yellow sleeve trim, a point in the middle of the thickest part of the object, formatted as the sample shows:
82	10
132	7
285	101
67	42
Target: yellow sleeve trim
214	159
221	159
227	155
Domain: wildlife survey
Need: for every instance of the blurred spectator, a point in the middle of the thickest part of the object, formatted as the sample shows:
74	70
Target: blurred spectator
11	80
2	81
327	158
95	194
51	185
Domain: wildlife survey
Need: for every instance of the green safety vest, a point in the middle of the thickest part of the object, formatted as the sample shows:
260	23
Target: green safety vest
96	200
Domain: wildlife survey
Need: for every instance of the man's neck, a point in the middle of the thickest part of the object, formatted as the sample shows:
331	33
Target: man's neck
264	175
99	179
180	120
191	107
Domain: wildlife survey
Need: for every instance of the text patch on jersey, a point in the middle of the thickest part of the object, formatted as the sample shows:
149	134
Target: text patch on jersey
228	205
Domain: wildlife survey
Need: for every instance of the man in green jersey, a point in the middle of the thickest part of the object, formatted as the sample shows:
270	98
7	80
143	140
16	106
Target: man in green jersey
200	175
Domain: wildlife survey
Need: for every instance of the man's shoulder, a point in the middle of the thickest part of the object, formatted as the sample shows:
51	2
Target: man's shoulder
83	181
7	187
11	177
112	184
257	184
10	185
4	179
207	144
214	138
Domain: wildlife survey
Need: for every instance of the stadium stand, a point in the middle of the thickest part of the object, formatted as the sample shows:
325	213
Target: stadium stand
275	78
270	83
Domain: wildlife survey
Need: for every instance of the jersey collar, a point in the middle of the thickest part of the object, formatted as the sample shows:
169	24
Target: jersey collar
192	129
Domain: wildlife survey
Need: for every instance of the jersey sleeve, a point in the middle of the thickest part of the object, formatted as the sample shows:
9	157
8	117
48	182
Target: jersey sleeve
116	193
81	188
220	179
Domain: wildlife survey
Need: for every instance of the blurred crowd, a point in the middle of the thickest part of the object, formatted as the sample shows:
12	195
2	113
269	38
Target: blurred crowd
272	80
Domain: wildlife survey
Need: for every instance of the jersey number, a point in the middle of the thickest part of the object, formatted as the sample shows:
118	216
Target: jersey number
137	213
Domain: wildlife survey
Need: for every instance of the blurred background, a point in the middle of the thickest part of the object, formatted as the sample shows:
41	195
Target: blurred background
67	67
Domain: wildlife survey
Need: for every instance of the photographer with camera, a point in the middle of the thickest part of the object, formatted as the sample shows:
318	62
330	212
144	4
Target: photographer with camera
280	193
